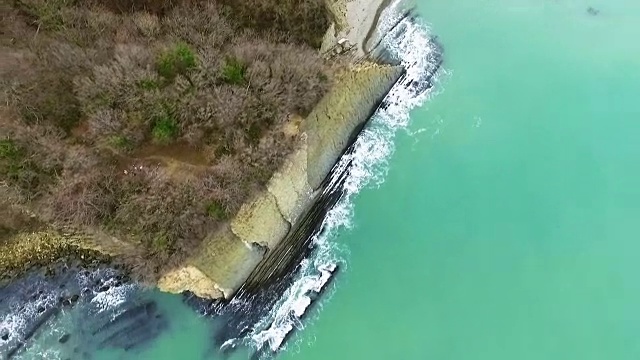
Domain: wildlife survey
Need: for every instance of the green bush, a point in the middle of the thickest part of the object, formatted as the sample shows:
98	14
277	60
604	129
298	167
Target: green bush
233	71
215	211
120	142
176	61
148	84
17	169
161	242
165	129
9	151
12	165
47	14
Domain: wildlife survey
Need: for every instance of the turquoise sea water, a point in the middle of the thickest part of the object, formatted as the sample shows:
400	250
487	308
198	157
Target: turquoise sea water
507	227
507	224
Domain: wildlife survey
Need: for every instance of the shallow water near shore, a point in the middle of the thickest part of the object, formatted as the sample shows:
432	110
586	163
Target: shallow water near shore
506	224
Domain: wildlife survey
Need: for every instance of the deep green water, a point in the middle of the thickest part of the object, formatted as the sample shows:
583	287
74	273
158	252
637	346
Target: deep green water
507	227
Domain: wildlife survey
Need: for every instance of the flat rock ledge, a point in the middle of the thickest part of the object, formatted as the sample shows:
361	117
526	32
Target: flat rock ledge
227	258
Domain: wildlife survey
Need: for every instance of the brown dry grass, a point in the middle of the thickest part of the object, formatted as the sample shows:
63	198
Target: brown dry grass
88	87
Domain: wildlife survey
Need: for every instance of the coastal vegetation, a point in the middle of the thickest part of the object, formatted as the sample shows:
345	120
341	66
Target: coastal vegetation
150	122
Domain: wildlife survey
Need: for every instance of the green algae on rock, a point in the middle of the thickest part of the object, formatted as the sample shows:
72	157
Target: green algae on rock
26	251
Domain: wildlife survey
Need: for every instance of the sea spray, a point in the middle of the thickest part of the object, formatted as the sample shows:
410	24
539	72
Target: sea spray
409	43
30	326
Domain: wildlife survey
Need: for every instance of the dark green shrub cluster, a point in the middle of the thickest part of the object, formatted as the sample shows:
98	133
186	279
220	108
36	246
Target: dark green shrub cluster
165	129
176	61
50	100
148	84
216	211
45	14
233	71
120	142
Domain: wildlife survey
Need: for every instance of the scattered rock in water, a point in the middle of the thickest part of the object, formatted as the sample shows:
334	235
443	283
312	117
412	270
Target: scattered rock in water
137	333
593	11
64	338
5	337
137	314
104	288
69	300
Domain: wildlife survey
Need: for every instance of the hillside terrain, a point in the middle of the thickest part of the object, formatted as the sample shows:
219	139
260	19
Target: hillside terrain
148	123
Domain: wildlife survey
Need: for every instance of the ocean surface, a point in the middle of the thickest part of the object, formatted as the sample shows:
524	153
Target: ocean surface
498	219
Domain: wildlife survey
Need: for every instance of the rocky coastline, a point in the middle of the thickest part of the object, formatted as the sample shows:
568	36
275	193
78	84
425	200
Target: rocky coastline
239	272
226	258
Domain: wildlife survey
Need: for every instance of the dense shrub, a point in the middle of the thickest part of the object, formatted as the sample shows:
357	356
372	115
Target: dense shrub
153	121
301	20
19	167
164	129
233	71
176	61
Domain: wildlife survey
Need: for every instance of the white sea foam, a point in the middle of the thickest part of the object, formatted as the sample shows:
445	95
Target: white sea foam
368	167
112	298
21	313
15	322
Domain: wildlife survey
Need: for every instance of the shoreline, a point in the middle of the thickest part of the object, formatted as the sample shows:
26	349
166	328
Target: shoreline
228	257
227	260
284	283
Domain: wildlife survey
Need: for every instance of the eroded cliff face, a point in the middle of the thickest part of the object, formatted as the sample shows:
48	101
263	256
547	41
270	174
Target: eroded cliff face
355	25
225	259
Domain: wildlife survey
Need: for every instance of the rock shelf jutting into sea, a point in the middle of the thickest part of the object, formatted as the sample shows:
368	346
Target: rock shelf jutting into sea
72	313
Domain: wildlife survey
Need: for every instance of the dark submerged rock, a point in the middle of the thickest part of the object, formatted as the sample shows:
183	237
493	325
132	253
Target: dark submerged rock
593	11
139	313
136	334
64	338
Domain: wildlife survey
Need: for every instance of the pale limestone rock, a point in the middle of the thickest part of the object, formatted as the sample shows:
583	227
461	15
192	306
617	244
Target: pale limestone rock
348	104
289	185
228	257
355	20
260	221
226	260
191	279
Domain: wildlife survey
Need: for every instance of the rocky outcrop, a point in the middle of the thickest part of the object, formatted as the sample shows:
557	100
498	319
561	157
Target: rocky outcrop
260	221
290	186
355	22
25	251
223	258
227	258
348	105
189	278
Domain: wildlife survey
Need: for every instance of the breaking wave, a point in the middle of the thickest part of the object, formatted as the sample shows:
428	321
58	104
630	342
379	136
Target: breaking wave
408	42
30	325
